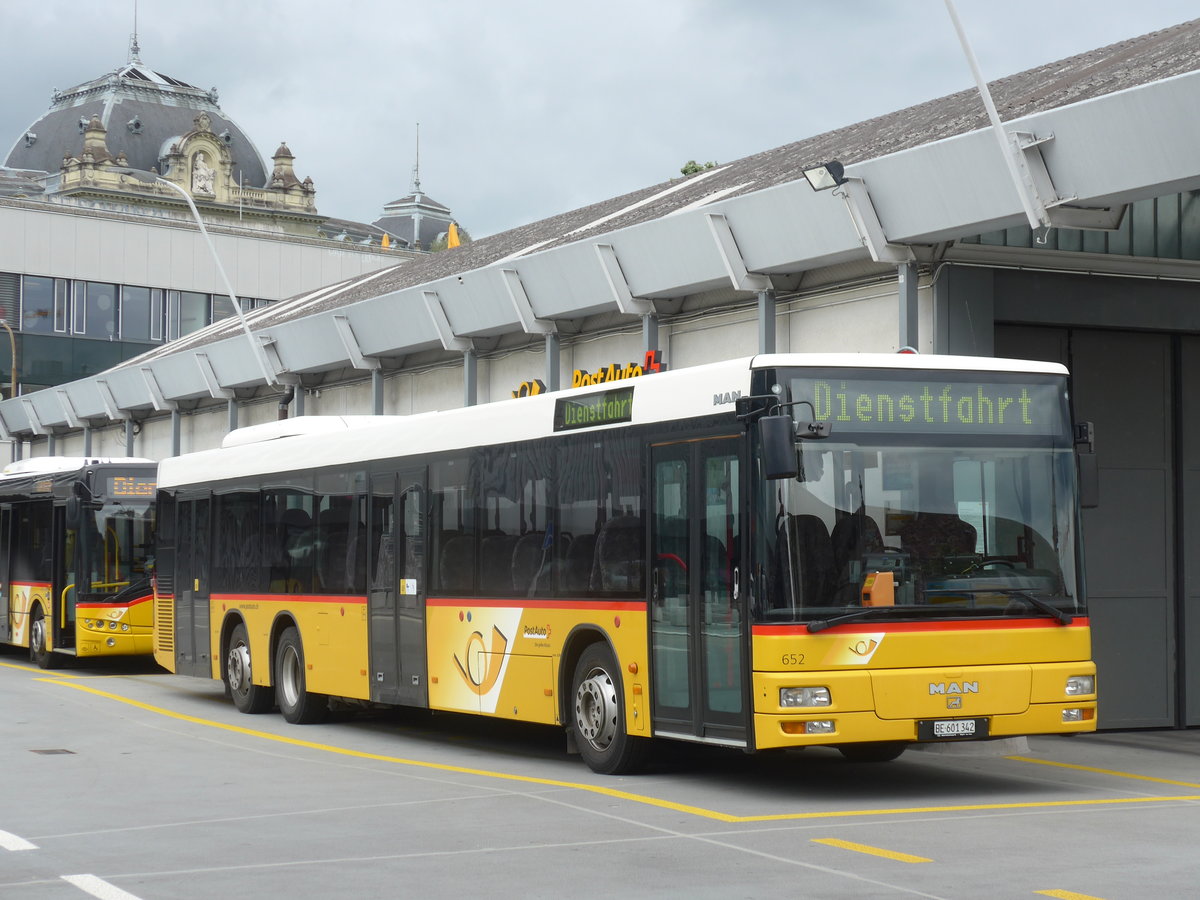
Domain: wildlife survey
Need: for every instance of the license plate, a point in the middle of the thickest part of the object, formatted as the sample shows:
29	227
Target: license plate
951	729
954	728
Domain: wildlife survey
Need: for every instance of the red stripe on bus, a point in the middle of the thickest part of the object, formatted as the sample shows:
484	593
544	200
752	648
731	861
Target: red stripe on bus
92	604
525	603
290	598
959	625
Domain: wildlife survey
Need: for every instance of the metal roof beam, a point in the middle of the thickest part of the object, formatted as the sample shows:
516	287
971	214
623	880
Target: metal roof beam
35	423
114	412
742	279
441	323
520	301
215	389
341	324
157	400
68	408
622	295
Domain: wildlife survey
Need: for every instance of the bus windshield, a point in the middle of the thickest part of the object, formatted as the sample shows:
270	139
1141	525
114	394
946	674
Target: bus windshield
119	546
966	520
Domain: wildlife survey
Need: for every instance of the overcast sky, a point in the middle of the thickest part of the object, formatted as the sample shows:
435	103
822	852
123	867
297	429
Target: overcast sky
529	108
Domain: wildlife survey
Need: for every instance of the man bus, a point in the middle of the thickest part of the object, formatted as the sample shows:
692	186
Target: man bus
861	551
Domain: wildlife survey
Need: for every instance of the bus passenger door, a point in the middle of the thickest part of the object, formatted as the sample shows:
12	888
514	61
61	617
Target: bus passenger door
396	592
192	626
698	600
5	572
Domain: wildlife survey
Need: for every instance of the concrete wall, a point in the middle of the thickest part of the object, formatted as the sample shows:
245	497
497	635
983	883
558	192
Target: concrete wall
64	242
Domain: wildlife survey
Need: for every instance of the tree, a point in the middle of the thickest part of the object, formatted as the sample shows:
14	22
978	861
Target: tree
691	167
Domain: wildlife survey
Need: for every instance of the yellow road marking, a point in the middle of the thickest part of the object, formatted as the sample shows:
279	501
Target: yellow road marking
610	792
1067	895
1113	772
874	851
34	669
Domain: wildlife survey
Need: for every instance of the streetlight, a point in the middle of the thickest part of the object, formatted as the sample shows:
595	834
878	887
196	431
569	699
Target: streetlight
255	346
12	344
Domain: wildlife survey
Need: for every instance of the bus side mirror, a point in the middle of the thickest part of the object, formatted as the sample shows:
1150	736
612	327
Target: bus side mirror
73	512
1089	467
778	447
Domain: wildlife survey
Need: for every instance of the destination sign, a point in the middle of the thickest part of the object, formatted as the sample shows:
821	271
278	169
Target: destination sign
934	403
129	486
604	408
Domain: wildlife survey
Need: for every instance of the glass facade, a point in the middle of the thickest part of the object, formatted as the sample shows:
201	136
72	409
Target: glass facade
103	324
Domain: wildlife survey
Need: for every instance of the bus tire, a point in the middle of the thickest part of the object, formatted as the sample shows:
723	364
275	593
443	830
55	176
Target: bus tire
296	704
39	641
598	716
873	751
247	696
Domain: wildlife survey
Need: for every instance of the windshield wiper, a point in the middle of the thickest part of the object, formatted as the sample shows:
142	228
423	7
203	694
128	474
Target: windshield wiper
1063	617
864	613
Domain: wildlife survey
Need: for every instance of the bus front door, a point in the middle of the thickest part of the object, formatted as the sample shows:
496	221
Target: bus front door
396	592
698	620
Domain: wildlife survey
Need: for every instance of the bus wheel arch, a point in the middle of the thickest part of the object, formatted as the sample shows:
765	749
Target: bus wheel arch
597	713
237	669
297	704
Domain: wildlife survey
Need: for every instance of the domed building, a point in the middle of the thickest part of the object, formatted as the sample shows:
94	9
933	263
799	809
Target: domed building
100	254
137	118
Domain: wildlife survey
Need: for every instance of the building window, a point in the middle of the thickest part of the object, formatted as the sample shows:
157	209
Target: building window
187	311
136	314
62	305
95	310
157	314
37	304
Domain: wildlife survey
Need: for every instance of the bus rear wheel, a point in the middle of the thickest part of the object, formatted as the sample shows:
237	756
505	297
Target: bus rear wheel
247	696
39	642
296	704
599	716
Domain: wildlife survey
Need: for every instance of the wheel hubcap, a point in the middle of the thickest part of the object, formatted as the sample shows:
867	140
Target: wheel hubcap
596	709
239	668
38	635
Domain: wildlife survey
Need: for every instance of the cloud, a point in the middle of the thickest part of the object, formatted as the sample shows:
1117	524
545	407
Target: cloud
528	109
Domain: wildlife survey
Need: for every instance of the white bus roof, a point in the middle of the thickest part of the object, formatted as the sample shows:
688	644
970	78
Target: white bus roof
317	441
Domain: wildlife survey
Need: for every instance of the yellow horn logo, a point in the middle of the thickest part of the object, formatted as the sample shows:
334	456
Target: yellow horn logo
476	677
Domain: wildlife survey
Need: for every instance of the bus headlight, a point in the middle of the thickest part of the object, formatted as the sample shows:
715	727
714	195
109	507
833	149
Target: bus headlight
1081	684
804	696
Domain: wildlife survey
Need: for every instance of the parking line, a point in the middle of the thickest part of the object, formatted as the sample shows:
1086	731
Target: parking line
874	851
612	792
98	887
34	669
1067	895
1113	772
10	841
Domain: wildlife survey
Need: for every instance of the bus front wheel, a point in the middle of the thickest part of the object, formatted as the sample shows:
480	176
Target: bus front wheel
599	716
247	696
39	641
297	705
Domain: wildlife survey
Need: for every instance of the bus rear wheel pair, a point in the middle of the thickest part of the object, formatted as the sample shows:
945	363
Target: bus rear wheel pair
296	704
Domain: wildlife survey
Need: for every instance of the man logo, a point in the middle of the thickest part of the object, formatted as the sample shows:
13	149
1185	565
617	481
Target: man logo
953	687
954	702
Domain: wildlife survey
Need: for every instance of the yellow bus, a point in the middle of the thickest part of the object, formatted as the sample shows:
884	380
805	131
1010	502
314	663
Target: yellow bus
76	545
860	551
